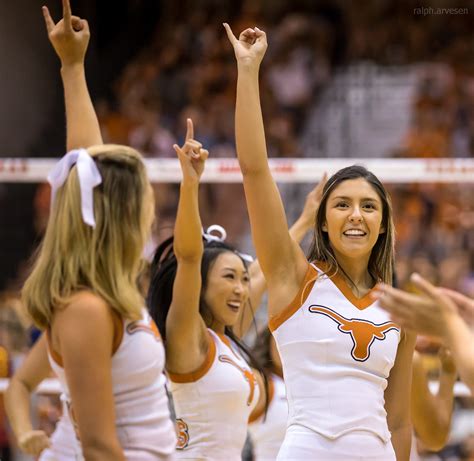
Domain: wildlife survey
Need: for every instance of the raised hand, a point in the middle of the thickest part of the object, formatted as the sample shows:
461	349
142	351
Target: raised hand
191	155
250	47
33	442
425	312
313	199
464	304
69	37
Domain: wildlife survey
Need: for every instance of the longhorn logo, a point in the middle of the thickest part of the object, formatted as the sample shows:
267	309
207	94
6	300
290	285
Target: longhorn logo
183	434
248	375
151	328
363	332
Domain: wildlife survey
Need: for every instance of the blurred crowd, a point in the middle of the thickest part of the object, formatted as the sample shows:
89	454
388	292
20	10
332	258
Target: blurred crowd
435	222
188	70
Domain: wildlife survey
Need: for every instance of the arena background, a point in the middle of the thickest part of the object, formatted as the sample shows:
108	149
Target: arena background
373	79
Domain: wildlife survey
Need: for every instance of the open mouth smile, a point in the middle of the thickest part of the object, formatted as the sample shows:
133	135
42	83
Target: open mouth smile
234	305
354	233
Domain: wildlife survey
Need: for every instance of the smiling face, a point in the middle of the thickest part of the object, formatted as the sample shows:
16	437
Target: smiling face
227	291
353	221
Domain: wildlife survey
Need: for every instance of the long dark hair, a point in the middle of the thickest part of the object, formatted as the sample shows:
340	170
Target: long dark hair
381	261
261	350
160	292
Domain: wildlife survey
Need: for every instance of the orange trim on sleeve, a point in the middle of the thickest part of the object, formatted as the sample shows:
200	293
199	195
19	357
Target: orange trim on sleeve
201	371
54	355
118	331
271	392
306	286
118	336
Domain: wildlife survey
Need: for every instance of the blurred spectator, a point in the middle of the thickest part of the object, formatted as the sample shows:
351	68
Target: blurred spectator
13	347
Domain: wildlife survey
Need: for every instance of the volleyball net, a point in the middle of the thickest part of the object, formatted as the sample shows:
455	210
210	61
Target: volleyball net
289	170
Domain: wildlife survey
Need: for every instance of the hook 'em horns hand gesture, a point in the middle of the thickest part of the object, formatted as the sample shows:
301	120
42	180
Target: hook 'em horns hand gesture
69	37
250	47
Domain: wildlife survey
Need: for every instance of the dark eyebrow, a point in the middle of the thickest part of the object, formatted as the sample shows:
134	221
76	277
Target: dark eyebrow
340	197
246	272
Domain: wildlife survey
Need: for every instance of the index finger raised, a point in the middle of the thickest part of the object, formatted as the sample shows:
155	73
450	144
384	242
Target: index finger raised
189	129
230	34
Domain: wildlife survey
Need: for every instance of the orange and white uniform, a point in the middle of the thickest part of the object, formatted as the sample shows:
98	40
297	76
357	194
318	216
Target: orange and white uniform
142	419
213	404
63	440
337	352
267	431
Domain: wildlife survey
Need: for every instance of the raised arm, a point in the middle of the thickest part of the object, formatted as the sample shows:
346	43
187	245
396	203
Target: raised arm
431	414
258	285
34	369
276	251
70	38
186	333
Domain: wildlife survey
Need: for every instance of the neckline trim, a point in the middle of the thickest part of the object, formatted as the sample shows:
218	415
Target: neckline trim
361	303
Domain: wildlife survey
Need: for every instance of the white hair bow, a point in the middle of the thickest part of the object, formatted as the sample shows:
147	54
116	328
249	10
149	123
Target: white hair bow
221	238
89	177
212	237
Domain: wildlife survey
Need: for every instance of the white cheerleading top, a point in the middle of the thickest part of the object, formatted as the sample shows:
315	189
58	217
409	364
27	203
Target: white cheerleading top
267	431
142	419
337	352
213	404
63	440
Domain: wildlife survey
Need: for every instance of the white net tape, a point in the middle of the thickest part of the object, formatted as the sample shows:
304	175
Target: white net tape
291	170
